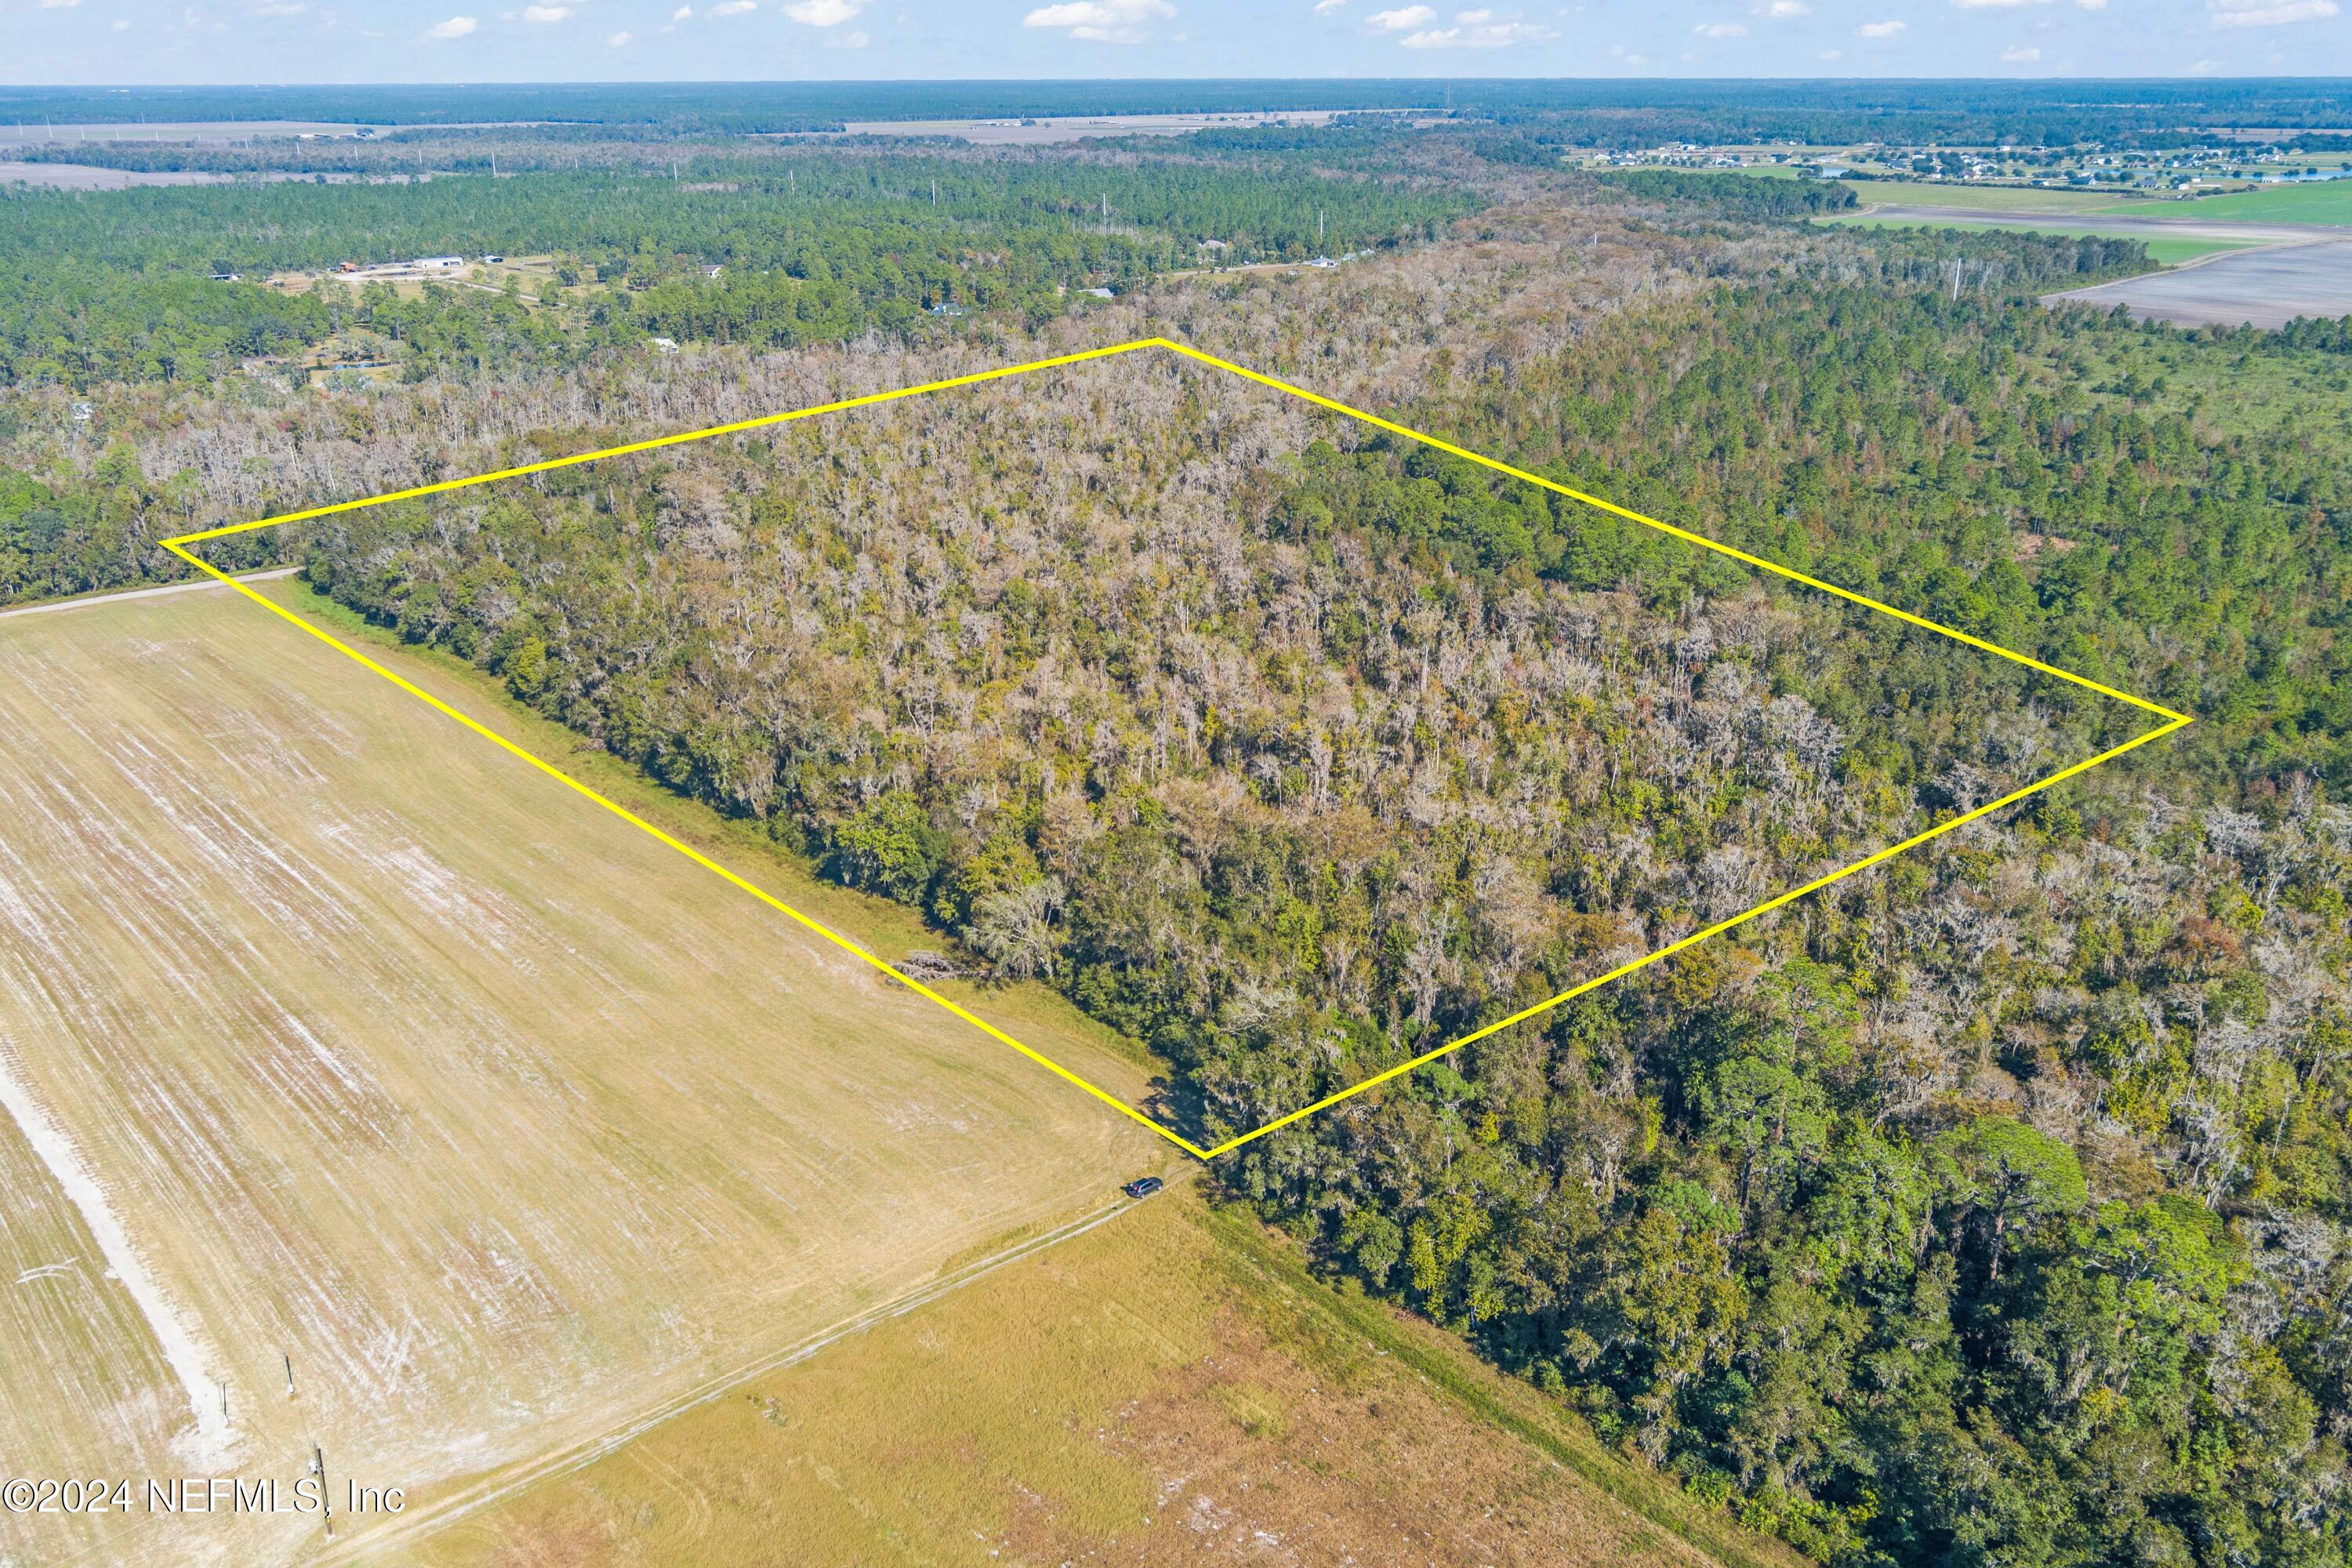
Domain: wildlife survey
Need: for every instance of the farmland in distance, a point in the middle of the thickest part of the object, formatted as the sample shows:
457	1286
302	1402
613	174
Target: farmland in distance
331	1035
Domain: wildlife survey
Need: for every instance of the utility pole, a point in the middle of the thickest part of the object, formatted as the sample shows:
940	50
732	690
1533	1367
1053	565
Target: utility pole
326	1504
935	192
289	1373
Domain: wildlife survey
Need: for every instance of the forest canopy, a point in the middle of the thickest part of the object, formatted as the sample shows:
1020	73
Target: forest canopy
1993	1207
120	285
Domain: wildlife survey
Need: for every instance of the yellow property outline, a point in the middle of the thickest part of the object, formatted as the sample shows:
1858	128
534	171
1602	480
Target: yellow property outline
2172	721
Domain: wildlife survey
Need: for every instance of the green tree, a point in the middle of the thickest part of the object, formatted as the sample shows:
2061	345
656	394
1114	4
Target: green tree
889	847
2006	1174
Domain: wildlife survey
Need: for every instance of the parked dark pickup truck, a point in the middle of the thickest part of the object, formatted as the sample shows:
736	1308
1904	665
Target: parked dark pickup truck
1144	1188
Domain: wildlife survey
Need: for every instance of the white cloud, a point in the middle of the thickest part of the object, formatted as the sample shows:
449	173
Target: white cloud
734	7
1325	7
2267	13
123	26
1783	9
1101	21
857	40
1878	29
620	40
681	14
1401	21
454	28
1720	30
1832	54
59	5
545	12
823	12
280	9
2022	53
1477	30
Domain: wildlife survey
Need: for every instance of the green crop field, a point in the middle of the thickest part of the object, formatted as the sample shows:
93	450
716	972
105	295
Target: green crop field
2322	201
2159	249
2325	201
2006	198
337	1036
1170	1387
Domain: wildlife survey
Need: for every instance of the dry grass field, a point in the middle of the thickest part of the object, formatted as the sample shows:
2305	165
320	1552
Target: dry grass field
328	1032
1170	1387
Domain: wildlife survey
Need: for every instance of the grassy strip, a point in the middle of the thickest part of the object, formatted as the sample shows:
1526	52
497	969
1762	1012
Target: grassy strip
887	929
1495	1399
2013	198
2323	201
2160	248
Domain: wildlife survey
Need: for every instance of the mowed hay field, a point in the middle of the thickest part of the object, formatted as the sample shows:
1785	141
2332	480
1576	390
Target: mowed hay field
330	1031
1170	1387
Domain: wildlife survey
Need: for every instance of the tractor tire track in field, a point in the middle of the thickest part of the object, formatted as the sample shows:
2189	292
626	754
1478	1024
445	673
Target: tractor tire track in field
498	1124
441	1513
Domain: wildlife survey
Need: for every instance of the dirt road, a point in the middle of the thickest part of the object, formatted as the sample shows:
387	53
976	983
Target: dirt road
85	602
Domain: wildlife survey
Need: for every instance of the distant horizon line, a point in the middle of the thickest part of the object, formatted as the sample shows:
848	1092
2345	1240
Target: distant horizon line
1309	81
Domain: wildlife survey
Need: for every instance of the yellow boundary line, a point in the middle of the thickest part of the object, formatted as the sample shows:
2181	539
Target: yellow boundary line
2172	721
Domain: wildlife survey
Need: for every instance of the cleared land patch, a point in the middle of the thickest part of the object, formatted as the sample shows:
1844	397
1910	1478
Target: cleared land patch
2266	288
1170	1388
500	1120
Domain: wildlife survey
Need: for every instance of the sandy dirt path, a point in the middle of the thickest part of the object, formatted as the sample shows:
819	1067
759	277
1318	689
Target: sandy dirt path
54	606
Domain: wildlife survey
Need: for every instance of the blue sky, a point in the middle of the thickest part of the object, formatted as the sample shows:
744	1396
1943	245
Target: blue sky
232	41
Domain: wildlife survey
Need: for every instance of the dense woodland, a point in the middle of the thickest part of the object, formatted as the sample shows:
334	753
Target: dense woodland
813	249
1994	1207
